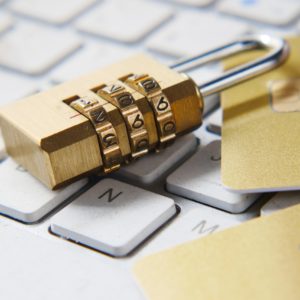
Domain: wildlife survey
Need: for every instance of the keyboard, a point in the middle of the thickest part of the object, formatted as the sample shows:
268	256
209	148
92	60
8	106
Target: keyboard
81	242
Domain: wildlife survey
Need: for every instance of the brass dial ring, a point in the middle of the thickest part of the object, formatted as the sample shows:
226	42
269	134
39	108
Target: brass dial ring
95	111
118	95
160	104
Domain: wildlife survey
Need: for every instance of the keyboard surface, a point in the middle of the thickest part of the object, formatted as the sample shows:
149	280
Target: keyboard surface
82	241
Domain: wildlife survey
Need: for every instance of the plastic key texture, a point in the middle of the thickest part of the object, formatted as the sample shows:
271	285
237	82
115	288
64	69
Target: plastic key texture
30	200
199	179
113	217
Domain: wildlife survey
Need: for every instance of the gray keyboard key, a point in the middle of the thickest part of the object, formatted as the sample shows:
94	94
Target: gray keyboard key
280	201
126	21
191	33
87	59
152	168
24	198
113	217
9	82
35	268
196	3
214	121
34	49
6	21
196	223
266	11
53	11
199	179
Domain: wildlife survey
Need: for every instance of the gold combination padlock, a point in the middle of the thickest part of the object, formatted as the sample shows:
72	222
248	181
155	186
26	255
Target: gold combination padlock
115	115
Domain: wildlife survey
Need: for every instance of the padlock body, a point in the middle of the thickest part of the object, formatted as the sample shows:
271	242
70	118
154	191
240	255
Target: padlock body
58	145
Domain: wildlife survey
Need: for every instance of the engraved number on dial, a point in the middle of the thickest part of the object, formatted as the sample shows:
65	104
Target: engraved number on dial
162	104
138	122
125	99
109	140
98	115
149	84
169	127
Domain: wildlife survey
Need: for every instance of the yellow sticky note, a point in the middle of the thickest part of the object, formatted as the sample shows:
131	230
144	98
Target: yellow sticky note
261	129
257	260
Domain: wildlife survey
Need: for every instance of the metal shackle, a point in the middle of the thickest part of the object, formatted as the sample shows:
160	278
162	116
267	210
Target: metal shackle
278	53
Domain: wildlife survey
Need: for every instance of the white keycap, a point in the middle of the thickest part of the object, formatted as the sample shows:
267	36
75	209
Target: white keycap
199	3
24	198
199	179
126	21
152	168
6	21
191	33
205	136
14	87
113	217
34	49
266	11
54	11
87	59
35	268
195	224
280	201
214	121
2	147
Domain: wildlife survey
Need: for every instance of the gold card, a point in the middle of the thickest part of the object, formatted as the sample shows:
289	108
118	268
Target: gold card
261	128
259	260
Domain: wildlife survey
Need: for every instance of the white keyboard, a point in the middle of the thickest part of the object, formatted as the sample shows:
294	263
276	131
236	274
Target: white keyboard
81	242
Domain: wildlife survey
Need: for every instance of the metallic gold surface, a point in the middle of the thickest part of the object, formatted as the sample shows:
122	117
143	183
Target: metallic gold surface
259	260
261	142
160	104
118	95
58	145
94	108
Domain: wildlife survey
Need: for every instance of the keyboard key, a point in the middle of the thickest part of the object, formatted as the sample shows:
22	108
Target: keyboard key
199	179
31	200
34	49
89	58
266	11
44	267
198	3
205	136
194	224
113	217
2	147
192	33
126	21
53	11
153	167
9	82
6	21
214	121
280	201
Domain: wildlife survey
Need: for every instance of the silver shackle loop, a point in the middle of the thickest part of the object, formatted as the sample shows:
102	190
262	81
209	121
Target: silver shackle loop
278	53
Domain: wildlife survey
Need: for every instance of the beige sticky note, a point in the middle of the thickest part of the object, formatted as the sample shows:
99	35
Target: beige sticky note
261	129
257	260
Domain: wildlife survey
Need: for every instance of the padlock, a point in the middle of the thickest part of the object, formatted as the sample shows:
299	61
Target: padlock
98	122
